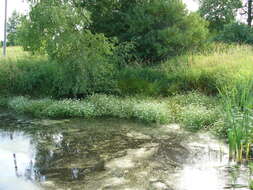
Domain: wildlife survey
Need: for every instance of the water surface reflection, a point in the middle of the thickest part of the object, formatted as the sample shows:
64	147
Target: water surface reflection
112	154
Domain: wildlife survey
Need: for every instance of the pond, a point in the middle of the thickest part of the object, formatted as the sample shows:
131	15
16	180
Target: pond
112	154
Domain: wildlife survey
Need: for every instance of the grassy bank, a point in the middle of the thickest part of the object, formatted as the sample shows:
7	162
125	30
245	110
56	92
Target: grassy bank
207	72
164	93
224	66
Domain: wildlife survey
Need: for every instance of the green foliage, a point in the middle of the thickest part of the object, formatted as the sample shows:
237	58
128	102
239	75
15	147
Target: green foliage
236	33
162	29
142	80
85	61
54	27
196	111
23	105
251	184
38	76
195	117
33	76
3	101
218	66
219	12
208	72
238	105
12	27
93	106
158	28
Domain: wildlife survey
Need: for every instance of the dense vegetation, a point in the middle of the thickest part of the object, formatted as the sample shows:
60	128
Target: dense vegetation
150	60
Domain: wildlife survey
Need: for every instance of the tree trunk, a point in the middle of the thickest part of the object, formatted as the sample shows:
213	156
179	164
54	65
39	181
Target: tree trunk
249	20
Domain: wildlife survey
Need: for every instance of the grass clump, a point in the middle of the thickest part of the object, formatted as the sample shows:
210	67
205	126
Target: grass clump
238	104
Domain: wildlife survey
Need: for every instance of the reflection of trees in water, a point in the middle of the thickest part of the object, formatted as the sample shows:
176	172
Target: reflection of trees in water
72	155
29	172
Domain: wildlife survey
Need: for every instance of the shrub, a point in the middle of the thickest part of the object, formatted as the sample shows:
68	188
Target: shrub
236	33
85	61
142	80
158	28
28	75
40	77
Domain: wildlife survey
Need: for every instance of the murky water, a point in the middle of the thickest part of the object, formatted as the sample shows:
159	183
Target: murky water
111	154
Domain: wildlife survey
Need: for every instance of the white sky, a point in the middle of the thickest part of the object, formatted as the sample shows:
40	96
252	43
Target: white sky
21	6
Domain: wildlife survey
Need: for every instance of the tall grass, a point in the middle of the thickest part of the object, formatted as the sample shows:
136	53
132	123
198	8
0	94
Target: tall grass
210	70
238	104
13	53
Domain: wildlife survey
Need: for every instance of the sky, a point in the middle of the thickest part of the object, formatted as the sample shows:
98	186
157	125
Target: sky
22	7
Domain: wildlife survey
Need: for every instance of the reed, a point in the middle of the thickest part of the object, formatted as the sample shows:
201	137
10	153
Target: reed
237	103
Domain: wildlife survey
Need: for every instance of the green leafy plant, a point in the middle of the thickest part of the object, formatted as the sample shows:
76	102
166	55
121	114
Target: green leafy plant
236	33
238	110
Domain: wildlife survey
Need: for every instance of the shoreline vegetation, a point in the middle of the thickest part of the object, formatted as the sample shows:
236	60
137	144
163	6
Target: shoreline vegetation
153	61
192	110
193	90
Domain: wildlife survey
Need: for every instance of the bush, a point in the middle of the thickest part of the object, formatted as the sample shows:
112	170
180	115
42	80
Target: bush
85	61
32	76
142	80
236	33
158	28
40	77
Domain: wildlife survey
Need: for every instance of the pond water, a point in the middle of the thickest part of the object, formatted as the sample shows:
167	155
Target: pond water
112	154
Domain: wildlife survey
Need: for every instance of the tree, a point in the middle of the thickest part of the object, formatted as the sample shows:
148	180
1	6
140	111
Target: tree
60	29
219	12
236	33
12	25
247	10
158	28
249	20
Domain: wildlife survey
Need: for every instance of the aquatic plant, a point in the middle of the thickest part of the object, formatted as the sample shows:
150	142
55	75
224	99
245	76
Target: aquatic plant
239	119
146	110
196	111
